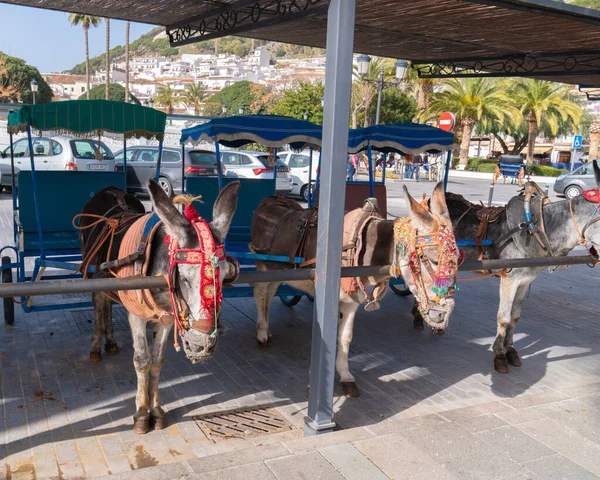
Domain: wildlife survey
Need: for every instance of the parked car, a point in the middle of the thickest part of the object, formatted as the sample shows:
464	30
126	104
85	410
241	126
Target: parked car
5	177
298	163
142	160
61	153
246	164
572	184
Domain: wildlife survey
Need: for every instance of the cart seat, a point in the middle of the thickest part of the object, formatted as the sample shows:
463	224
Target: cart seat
61	196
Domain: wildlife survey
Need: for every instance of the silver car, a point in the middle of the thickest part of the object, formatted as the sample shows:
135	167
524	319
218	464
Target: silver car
246	164
573	183
61	153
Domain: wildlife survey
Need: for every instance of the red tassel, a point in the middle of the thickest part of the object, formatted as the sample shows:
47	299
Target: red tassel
190	213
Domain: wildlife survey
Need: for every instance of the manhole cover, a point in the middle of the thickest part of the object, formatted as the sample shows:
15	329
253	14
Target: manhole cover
241	423
85	320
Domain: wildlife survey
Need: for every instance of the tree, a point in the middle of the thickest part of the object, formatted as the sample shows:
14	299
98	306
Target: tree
422	88
396	106
107	20
15	81
594	139
540	100
86	21
365	92
306	98
234	96
473	101
166	97
264	99
127	27
116	92
193	96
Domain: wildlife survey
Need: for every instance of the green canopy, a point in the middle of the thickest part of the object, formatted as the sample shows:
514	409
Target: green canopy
90	116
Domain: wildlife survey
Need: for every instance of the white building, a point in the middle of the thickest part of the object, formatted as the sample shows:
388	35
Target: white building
66	87
146	63
260	57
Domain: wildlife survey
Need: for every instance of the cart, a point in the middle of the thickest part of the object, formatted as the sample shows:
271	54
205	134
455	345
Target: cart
45	202
510	166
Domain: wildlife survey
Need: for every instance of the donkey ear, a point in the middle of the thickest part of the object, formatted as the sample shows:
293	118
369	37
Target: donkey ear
223	211
419	215
438	201
597	173
175	223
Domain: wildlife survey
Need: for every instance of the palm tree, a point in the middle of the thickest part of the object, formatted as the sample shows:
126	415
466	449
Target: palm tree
127	26
107	20
472	100
422	88
594	139
167	98
542	100
193	96
86	21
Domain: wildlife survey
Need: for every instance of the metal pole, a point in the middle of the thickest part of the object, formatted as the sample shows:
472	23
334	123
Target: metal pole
160	151
125	161
491	194
36	203
219	171
12	172
55	287
338	82
379	94
310	164
383	168
182	168
33	97
371	179
318	181
446	173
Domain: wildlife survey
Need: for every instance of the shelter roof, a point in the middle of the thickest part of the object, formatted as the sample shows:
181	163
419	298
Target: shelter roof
536	38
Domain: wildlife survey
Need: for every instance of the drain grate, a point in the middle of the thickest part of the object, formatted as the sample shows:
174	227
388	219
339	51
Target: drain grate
241	423
85	320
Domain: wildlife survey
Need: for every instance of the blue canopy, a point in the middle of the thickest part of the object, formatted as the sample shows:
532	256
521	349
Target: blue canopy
405	138
269	130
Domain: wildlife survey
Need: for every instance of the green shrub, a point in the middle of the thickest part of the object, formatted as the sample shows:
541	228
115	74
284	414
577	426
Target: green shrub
455	162
544	171
487	167
474	163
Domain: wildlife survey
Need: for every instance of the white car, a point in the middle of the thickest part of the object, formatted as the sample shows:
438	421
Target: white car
298	163
248	164
61	153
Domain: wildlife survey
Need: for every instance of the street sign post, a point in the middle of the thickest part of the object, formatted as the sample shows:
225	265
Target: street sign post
446	121
577	141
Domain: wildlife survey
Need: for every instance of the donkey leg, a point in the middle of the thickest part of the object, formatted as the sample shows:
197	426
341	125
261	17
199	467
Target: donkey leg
160	338
97	334
512	357
142	360
263	293
508	290
345	330
110	346
418	321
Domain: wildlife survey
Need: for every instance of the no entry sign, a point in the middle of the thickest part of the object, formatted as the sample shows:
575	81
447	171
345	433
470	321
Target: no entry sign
446	121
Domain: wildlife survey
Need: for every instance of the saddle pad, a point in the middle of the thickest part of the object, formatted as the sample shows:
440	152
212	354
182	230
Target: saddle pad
515	215
491	214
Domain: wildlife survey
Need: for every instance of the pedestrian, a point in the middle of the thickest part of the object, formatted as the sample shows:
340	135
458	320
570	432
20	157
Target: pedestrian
417	162
349	170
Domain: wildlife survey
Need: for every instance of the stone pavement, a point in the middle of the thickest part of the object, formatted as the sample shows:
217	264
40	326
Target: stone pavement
430	406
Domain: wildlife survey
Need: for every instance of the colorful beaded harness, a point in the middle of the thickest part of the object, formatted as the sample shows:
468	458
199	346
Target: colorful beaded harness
409	243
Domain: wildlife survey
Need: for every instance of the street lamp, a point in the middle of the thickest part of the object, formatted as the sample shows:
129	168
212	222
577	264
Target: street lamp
241	110
363	68
151	103
34	88
224	109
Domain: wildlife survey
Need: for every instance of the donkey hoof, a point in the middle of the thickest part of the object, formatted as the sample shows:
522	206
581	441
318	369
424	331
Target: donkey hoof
95	357
512	357
350	389
111	348
500	364
159	418
141	421
418	324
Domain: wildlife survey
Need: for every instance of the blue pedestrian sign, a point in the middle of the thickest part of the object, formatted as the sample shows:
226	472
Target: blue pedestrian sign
577	141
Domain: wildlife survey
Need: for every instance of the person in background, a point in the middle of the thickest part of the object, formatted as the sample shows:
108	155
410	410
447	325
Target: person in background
416	164
350	170
408	171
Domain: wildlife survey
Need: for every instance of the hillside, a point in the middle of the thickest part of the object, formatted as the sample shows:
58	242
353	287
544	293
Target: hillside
156	43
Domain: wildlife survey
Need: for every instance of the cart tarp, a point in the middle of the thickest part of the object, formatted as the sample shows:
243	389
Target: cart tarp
79	117
272	131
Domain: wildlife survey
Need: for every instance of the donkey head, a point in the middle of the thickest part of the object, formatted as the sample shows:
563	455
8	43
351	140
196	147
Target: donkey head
189	282
430	261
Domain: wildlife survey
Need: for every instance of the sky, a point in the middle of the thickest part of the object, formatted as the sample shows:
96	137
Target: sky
46	40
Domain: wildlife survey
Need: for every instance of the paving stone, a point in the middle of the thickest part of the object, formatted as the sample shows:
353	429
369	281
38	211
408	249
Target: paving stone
534	400
558	468
351	463
71	471
239	457
46	466
480	423
396	457
303	466
160	472
522	415
316	441
256	470
118	464
515	444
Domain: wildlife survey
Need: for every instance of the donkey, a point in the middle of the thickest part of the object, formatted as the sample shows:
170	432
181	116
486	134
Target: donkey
184	285
278	221
565	224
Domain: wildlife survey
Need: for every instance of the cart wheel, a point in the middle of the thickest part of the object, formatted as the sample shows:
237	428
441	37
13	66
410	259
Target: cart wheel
9	306
521	176
401	289
291	301
310	297
496	175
